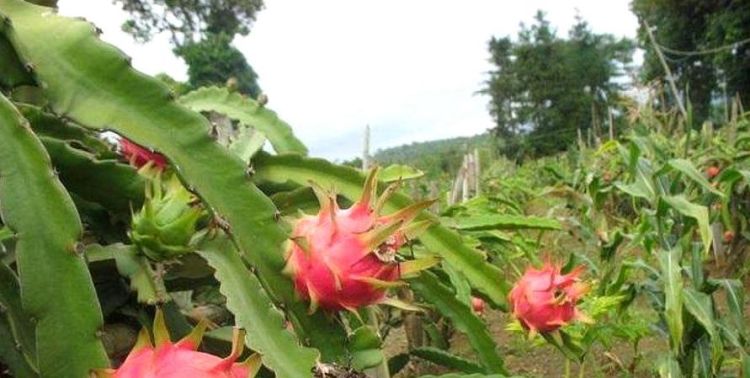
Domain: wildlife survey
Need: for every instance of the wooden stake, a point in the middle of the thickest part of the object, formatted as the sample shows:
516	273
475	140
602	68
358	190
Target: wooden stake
672	84
477	174
366	149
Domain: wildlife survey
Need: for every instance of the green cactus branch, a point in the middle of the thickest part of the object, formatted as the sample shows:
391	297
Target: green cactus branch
12	71
428	286
114	185
255	312
49	125
77	72
249	112
348	182
134	266
443	358
36	206
17	344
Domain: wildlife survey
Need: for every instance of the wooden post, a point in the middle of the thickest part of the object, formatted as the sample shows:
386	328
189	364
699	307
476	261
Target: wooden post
672	84
477	174
465	195
366	149
457	185
434	193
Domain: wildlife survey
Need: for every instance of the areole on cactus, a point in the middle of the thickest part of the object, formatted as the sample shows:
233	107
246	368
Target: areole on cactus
346	258
544	300
164	359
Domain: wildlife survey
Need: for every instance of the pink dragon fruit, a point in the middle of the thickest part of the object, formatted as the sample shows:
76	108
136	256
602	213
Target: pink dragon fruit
346	258
544	300
180	360
478	305
139	156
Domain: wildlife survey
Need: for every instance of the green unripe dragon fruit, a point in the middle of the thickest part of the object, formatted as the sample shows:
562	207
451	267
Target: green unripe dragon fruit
166	224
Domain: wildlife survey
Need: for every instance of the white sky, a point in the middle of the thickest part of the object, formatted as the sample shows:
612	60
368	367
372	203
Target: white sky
408	68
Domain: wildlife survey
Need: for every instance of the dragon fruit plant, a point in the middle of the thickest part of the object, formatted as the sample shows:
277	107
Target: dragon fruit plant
90	242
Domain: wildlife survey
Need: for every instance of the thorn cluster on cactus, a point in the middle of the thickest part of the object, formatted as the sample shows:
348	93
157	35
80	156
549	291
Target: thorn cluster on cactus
544	300
346	258
164	359
139	156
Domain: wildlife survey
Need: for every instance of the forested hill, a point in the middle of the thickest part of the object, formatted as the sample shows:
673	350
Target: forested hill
433	157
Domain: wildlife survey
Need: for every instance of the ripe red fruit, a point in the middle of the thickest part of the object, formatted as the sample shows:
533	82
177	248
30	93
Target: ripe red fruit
477	304
345	258
728	236
712	171
180	360
544	300
139	156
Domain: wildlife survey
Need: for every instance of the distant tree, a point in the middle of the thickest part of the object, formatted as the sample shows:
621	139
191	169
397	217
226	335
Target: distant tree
214	61
544	88
189	20
698	25
201	32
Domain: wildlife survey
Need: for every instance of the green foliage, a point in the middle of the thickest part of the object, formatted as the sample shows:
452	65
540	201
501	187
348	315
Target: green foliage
17	344
438	159
249	113
66	324
443	358
186	20
545	88
256	313
214	61
696	26
428	286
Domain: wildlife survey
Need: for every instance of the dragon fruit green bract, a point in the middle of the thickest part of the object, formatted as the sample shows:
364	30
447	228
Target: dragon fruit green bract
345	258
543	300
166	359
139	156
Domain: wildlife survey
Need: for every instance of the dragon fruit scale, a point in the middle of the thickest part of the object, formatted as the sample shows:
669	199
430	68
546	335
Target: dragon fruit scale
165	359
544	300
346	258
